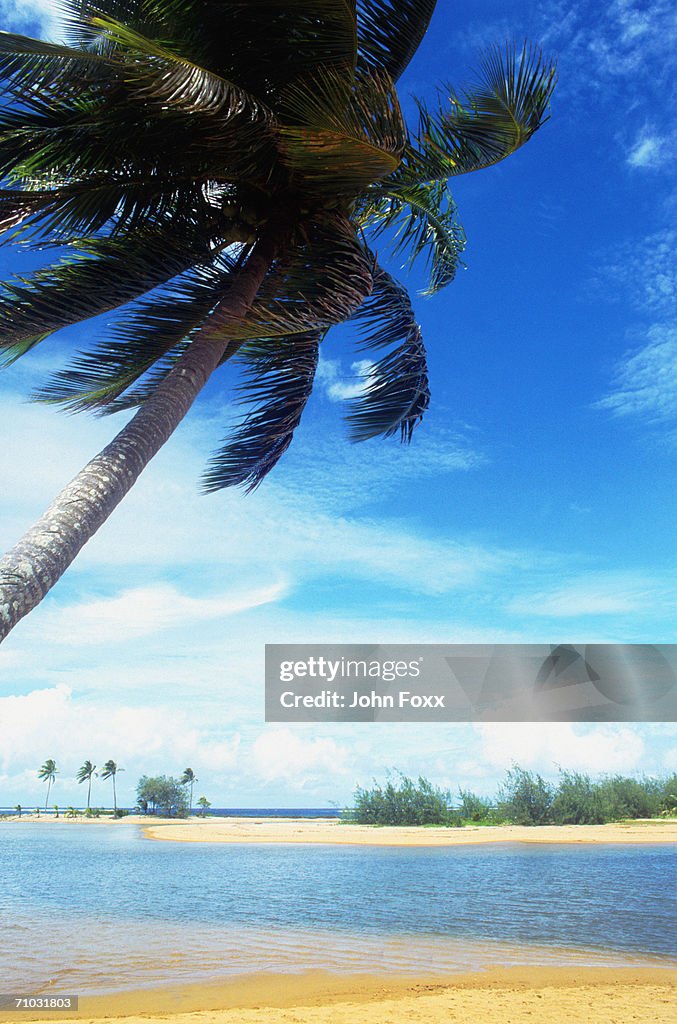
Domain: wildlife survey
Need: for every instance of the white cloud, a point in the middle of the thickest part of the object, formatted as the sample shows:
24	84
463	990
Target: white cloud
645	380
145	610
642	271
147	739
547	745
648	151
280	755
339	386
41	15
591	596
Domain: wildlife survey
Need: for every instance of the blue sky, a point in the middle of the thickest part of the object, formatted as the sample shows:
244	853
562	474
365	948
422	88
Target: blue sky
536	503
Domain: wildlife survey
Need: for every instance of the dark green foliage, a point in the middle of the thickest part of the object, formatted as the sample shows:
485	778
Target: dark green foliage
630	798
169	132
578	801
526	798
405	803
475	808
162	795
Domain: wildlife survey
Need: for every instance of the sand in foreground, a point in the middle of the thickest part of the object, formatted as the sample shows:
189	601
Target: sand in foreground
510	996
330	830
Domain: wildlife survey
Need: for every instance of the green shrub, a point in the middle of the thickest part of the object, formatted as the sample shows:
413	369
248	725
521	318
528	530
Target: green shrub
525	798
407	803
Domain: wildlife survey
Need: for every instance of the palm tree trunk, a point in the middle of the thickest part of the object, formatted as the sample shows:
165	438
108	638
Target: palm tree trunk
49	786
89	792
40	558
115	799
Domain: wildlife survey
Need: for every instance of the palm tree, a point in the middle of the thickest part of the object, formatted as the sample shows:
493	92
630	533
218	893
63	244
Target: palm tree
218	172
110	770
189	778
48	774
86	774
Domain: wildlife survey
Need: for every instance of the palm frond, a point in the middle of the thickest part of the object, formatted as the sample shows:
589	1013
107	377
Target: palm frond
487	123
423	220
158	75
390	32
279	377
261	45
396	393
141	347
341	132
108	273
320	282
73	211
31	66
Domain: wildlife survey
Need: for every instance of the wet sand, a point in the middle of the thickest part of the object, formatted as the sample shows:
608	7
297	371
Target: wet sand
511	996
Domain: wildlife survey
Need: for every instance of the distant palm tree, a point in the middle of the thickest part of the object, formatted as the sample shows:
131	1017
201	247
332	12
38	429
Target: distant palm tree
85	774
48	774
110	770
189	778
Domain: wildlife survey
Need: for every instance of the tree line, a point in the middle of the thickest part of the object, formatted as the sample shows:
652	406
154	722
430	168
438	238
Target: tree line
154	795
524	798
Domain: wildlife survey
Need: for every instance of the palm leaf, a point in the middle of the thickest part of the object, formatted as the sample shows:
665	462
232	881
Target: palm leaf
396	391
158	75
342	131
485	124
279	378
143	346
423	219
112	272
261	45
390	32
320	282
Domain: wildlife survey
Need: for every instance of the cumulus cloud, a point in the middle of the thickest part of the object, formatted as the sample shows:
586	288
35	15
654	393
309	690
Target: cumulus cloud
146	739
549	745
339	386
280	755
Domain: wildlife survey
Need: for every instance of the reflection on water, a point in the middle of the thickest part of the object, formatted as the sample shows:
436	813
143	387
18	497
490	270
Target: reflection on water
98	908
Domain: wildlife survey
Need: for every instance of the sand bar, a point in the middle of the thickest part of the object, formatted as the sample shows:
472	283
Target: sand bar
331	830
509	995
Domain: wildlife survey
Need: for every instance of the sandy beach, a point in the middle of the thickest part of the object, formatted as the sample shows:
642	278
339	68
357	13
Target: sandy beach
511	996
331	830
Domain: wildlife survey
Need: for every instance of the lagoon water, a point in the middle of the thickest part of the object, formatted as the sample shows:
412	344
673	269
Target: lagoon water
100	908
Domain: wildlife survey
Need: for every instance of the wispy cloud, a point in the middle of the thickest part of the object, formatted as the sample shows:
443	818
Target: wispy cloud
645	380
145	610
595	595
642	271
650	152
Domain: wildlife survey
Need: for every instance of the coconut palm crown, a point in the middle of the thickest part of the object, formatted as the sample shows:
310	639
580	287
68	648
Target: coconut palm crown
216	172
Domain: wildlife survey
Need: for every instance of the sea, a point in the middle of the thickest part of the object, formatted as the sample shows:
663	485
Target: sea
93	909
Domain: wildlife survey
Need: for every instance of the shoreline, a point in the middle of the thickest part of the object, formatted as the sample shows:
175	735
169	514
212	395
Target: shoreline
515	995
333	832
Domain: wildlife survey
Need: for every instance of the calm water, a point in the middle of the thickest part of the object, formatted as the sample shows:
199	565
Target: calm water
100	908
